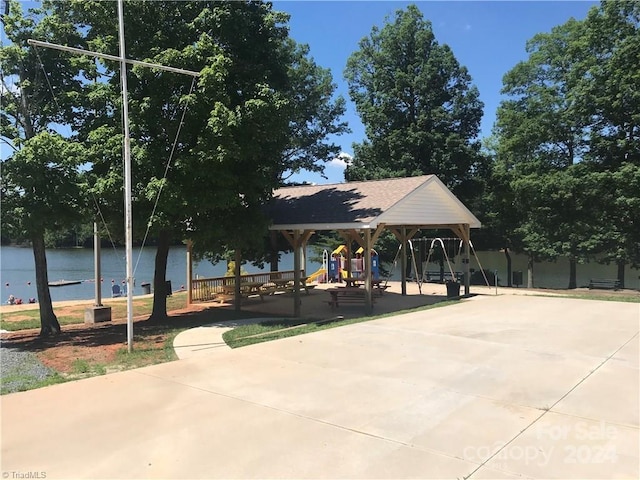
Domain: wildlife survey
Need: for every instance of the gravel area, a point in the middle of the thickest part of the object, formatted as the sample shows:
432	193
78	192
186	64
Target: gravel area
20	370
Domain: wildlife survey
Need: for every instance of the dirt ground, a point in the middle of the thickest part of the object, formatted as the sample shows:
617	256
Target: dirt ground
99	343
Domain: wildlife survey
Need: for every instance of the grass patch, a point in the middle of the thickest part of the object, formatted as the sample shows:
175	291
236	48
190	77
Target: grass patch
20	383
282	328
83	367
146	352
608	298
628	298
30	319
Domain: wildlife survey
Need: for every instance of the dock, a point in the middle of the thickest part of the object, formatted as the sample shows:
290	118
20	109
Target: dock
64	283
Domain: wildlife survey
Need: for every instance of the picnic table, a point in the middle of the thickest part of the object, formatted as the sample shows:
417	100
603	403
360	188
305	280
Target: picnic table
376	284
347	295
247	289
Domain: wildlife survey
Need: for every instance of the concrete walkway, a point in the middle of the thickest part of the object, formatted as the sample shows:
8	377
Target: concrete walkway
492	387
205	340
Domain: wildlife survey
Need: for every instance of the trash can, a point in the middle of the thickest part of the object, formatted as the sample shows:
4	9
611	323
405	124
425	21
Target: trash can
517	278
453	289
168	288
146	288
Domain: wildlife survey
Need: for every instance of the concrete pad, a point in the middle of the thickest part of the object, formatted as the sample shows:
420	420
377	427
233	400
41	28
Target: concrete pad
565	446
460	391
610	394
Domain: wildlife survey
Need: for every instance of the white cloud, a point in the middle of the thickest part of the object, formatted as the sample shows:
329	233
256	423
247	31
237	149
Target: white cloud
342	160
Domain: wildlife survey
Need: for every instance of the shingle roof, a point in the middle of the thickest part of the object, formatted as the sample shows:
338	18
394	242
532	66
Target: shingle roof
349	205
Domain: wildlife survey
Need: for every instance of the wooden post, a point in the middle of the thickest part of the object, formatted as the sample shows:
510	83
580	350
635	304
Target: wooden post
403	259
296	273
467	271
236	274
368	274
189	272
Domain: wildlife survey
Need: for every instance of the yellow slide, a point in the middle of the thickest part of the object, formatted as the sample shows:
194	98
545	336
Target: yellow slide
339	250
315	275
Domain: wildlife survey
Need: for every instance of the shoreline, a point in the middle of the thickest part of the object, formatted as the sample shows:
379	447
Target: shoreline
4	308
475	289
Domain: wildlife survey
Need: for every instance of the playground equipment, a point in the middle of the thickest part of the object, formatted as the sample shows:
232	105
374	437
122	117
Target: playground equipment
375	263
320	274
338	264
449	252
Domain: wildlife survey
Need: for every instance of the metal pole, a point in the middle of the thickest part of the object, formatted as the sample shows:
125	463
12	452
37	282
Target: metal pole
65	48
128	223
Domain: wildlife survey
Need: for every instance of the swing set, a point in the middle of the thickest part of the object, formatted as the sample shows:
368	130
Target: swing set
424	275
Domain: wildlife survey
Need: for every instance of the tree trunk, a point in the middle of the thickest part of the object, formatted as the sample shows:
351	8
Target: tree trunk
572	272
160	292
530	272
621	266
508	255
49	324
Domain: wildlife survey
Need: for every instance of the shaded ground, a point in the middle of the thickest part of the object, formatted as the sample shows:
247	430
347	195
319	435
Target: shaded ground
99	344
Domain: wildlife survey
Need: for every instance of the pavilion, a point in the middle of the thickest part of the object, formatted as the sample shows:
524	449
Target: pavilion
360	211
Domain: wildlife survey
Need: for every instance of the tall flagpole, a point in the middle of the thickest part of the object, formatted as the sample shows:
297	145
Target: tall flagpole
128	222
126	144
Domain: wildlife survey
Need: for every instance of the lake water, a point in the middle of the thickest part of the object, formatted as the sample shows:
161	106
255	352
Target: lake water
17	270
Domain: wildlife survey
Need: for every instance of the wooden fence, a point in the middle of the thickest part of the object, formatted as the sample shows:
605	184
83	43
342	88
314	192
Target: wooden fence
207	289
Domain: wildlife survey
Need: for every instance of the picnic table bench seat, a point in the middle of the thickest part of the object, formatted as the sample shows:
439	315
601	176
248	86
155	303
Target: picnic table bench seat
605	284
347	295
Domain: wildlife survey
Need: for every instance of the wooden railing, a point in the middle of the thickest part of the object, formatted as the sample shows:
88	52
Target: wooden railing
206	289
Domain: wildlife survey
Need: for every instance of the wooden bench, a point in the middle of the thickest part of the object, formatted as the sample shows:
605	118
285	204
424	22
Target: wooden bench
605	283
247	290
347	295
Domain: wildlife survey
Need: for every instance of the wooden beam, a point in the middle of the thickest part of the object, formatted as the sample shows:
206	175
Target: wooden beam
376	234
368	274
296	273
306	236
403	259
289	237
355	235
236	274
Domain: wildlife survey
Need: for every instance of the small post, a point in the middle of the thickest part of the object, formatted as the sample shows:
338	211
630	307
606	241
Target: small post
189	272
97	313
96	263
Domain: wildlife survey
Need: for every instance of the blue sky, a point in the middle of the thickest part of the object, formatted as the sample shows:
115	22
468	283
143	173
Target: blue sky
488	37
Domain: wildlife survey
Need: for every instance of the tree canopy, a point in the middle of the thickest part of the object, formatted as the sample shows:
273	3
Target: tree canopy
566	130
419	107
207	155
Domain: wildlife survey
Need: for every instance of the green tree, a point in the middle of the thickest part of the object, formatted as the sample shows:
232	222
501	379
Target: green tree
260	110
610	98
542	133
420	110
568	128
41	185
42	190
